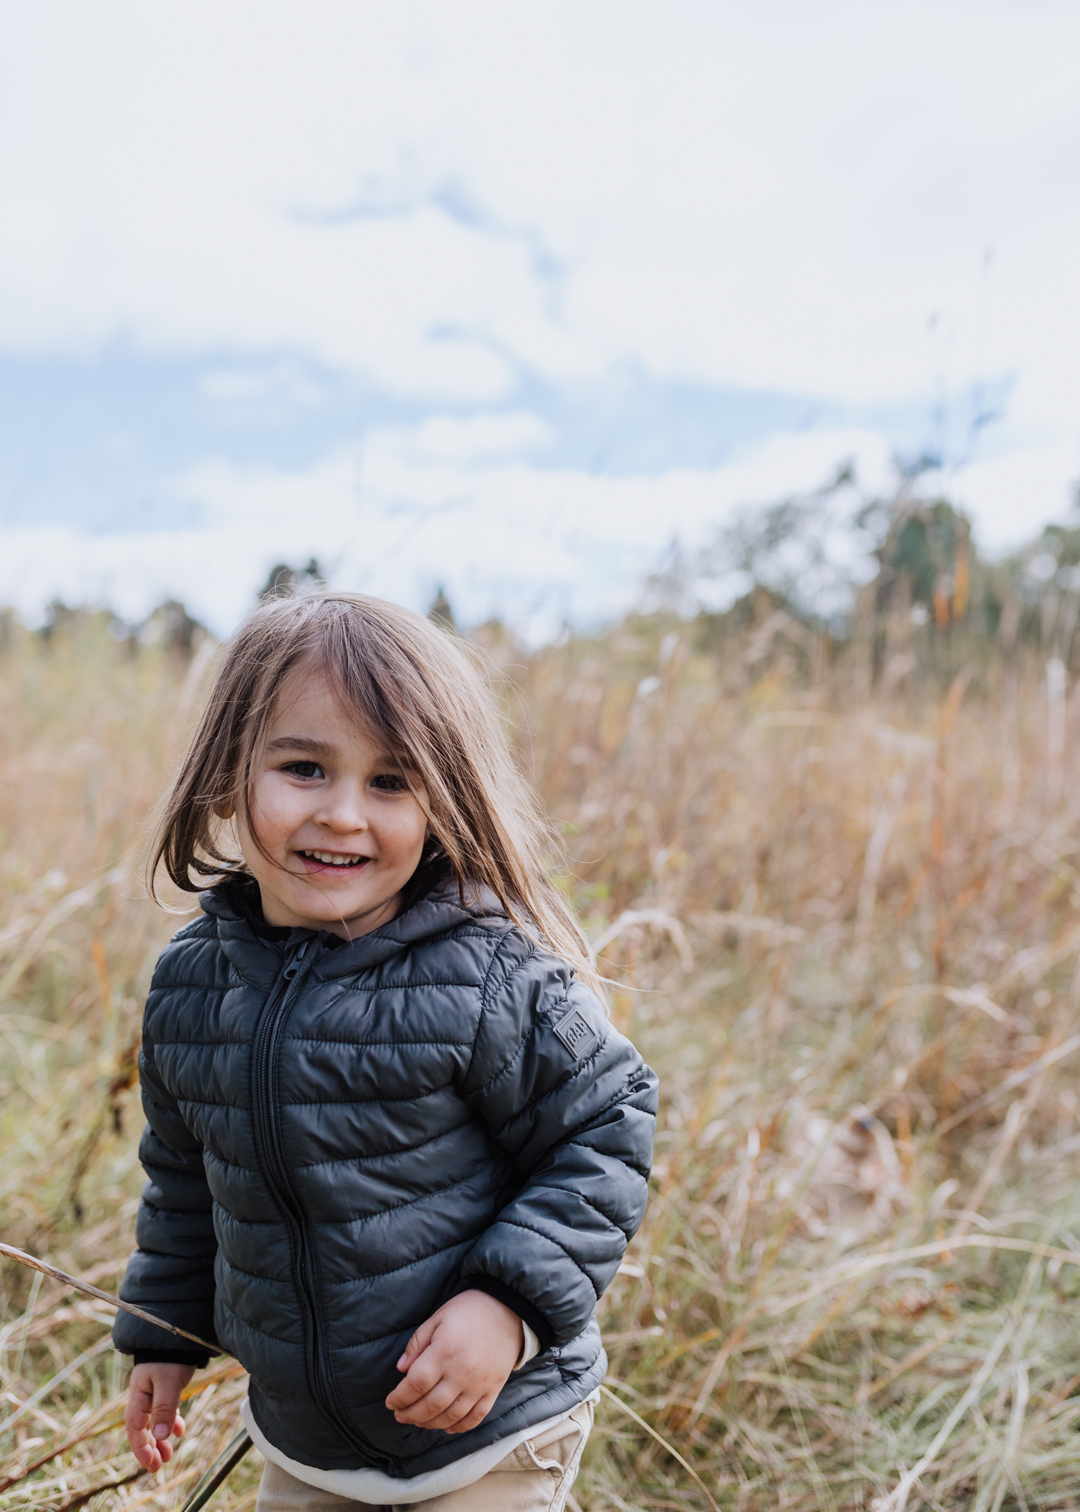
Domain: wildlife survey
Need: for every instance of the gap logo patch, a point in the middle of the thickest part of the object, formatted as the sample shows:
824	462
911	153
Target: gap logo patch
577	1034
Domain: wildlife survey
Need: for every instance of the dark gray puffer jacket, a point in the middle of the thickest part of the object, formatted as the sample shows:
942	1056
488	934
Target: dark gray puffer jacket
341	1136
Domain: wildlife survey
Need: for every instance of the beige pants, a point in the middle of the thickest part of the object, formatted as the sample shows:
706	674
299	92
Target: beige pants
534	1477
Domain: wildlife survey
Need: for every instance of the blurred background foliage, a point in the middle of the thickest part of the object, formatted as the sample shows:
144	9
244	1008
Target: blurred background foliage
893	590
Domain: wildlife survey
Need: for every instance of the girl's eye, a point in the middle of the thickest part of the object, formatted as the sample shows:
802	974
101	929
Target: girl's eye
304	769
390	782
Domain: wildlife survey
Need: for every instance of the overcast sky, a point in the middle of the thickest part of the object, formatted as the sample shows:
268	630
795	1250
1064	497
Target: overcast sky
506	295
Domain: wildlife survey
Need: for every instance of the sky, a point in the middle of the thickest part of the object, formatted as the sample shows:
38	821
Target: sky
506	297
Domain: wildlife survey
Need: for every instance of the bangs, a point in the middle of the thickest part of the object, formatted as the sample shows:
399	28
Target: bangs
358	692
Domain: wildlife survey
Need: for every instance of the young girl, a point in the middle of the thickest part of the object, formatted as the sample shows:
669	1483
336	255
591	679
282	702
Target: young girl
394	1148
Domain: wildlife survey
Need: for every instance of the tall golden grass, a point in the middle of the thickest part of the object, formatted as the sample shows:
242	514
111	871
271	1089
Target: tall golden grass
844	931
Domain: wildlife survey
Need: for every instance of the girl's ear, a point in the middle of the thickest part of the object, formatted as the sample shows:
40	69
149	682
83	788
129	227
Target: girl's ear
225	809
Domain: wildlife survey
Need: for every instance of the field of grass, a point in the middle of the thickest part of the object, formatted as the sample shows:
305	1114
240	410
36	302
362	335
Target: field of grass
845	932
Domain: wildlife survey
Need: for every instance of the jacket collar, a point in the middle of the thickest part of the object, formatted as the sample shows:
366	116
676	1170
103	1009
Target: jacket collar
256	948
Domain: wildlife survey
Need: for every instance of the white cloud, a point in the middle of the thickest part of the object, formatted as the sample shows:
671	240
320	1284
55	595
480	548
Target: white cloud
504	538
436	197
774	195
461	440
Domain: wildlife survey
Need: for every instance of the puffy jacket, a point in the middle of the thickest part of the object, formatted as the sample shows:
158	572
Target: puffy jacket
343	1135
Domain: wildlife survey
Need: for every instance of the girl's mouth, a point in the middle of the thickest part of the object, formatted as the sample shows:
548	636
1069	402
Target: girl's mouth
328	861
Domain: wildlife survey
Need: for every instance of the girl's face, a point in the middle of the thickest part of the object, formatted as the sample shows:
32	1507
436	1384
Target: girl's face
341	833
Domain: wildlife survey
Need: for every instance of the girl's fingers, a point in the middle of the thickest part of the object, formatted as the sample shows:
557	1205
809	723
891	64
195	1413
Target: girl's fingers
429	1409
474	1417
152	1416
424	1375
137	1423
457	1418
145	1449
165	1415
149	1424
177	1427
417	1344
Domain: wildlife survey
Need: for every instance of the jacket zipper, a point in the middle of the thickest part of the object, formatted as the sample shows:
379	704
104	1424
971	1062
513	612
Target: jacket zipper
266	1054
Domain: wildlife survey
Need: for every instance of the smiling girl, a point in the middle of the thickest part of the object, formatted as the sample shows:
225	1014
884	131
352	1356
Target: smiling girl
394	1148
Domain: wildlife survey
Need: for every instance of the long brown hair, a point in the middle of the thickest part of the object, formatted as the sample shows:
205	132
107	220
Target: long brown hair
424	692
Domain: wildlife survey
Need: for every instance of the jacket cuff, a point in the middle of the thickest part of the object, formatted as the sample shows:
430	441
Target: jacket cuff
514	1301
199	1358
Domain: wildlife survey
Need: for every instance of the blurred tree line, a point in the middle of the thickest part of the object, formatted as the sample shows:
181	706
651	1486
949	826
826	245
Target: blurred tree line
896	585
893	589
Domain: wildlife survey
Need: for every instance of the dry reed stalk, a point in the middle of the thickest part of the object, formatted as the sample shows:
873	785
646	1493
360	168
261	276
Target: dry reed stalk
33	1263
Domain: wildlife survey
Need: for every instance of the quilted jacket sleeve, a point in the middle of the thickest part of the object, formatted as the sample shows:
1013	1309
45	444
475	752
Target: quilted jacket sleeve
171	1273
574	1105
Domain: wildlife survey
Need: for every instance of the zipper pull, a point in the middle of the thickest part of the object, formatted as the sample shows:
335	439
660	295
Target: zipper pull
293	966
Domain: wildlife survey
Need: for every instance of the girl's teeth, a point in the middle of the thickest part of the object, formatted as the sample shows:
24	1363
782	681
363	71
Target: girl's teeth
329	860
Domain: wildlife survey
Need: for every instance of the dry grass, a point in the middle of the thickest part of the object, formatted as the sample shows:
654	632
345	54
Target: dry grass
849	944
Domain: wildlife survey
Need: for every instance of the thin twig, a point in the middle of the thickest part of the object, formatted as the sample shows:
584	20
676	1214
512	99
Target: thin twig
102	1296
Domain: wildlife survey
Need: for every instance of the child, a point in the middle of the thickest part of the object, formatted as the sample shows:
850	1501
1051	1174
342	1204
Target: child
395	1150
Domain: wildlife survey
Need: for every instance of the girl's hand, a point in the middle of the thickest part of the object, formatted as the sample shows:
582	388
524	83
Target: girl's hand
152	1411
457	1363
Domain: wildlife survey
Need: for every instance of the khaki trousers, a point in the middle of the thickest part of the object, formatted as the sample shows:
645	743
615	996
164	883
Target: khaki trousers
534	1477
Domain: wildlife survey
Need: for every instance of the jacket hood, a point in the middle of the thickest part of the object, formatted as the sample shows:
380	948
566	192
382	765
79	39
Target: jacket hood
244	934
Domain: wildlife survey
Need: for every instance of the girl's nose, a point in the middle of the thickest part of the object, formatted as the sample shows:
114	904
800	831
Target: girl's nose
342	810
